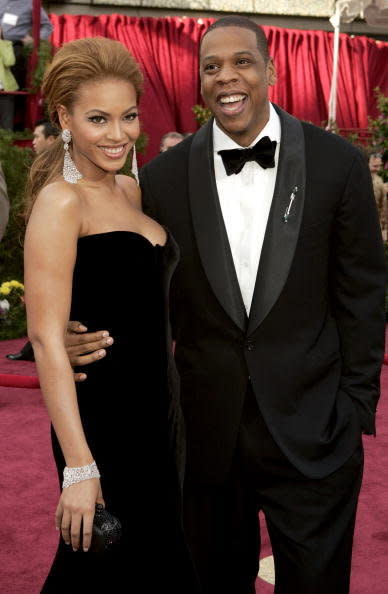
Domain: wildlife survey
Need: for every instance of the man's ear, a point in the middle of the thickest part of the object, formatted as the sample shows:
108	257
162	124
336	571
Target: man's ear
200	84
272	76
63	116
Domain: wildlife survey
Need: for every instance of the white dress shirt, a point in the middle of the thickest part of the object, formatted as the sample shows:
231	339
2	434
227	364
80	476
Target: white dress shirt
245	201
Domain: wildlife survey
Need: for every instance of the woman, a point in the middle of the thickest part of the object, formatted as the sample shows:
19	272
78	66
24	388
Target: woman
91	253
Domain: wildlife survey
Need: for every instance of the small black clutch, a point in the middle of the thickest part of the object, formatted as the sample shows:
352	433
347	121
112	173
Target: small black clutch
106	530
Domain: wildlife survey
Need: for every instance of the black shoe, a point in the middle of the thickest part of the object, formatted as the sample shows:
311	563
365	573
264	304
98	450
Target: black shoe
25	354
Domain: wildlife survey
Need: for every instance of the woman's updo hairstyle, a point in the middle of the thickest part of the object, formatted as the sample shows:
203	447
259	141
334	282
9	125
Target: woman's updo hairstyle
78	62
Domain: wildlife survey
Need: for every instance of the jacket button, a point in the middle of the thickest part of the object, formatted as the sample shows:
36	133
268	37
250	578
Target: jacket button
250	345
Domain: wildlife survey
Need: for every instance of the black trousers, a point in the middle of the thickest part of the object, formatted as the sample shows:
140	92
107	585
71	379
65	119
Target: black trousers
7	111
310	522
19	69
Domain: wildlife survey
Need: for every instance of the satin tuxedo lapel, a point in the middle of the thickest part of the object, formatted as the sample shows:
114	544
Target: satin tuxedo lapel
170	257
281	235
209	227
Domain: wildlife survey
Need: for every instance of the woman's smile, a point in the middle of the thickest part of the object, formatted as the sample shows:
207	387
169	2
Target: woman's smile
114	152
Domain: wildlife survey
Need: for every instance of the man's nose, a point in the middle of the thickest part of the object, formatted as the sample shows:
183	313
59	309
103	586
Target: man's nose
227	74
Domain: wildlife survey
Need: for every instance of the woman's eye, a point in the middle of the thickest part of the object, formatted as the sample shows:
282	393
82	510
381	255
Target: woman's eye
97	119
131	116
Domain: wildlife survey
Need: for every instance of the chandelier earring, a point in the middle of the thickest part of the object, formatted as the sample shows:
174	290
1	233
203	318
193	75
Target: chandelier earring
70	171
134	169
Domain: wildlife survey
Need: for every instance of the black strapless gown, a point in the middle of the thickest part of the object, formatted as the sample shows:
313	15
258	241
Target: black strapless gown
117	286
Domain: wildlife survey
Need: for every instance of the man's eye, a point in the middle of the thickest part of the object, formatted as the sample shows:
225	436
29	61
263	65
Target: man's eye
243	61
209	67
97	119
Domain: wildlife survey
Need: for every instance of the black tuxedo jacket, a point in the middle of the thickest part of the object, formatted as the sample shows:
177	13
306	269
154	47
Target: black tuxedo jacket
313	345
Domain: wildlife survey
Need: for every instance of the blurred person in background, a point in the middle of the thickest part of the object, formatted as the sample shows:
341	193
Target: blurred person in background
169	140
7	82
16	24
379	188
43	136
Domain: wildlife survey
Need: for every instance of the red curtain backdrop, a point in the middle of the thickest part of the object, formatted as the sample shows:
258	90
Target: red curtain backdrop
167	49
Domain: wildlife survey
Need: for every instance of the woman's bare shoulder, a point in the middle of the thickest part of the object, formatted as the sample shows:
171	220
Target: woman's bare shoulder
57	203
58	193
131	189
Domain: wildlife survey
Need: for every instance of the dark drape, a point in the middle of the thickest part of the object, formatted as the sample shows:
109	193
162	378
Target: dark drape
167	49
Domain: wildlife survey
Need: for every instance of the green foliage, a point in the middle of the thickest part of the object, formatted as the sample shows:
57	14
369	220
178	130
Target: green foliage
16	162
142	143
202	114
25	134
45	52
15	327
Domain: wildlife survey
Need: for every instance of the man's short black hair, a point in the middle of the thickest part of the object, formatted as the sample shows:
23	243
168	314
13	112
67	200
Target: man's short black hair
245	23
48	128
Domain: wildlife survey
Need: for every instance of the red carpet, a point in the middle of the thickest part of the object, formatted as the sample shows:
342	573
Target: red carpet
29	493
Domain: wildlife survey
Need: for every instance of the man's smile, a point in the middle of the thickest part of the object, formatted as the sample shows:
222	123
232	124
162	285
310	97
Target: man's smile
232	103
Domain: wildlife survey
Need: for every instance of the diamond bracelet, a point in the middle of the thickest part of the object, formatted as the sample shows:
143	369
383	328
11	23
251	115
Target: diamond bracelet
76	474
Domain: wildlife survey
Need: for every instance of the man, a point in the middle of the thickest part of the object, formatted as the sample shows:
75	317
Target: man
169	140
278	317
43	136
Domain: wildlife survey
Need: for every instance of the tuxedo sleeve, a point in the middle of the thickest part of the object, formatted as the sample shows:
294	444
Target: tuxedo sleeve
358	283
146	196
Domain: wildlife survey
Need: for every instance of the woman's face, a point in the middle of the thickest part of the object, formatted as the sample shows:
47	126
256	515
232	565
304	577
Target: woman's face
104	124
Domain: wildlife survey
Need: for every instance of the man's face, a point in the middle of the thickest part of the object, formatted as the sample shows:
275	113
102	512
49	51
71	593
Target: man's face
375	163
234	82
39	141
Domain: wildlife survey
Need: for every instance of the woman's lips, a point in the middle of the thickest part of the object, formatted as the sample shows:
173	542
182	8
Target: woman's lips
114	152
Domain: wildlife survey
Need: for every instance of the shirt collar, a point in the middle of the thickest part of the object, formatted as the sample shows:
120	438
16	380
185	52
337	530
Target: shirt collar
222	141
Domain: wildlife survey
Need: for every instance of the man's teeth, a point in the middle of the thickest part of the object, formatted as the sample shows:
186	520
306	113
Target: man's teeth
232	98
113	151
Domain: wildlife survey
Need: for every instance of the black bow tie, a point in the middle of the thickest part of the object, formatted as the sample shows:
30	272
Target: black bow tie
263	153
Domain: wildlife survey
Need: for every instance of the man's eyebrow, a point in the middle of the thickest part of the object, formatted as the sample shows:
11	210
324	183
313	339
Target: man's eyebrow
240	53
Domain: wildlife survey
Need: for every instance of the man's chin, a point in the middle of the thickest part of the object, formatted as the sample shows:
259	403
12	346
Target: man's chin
232	127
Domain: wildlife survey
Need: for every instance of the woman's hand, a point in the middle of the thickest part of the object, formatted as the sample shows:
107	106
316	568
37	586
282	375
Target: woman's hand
76	508
84	347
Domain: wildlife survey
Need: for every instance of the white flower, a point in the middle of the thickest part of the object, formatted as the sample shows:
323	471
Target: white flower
4	305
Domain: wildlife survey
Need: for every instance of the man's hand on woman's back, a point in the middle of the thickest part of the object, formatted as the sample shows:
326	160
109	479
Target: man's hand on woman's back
85	347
